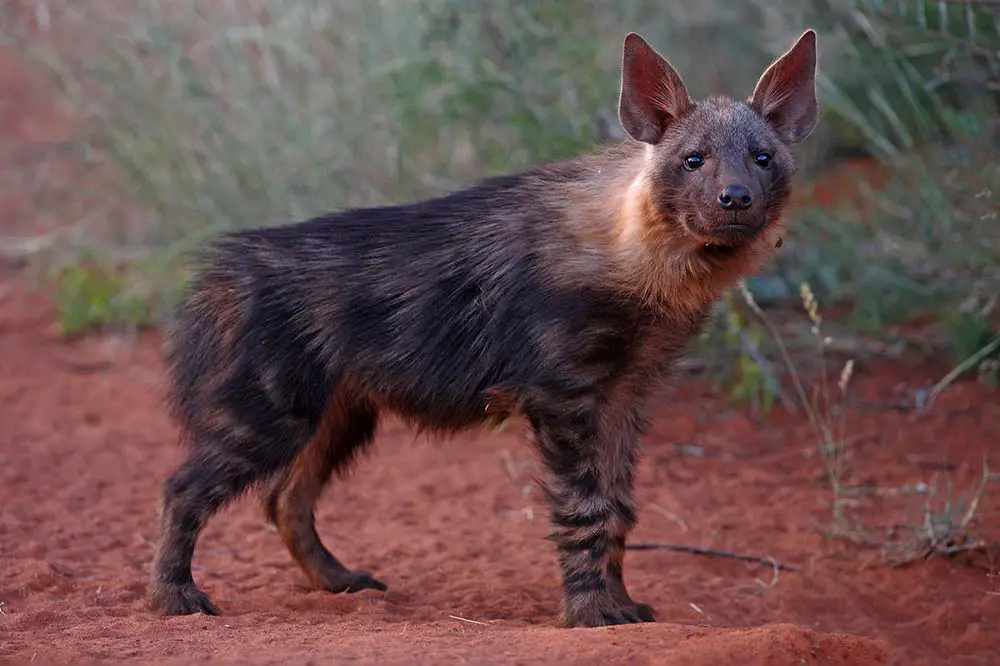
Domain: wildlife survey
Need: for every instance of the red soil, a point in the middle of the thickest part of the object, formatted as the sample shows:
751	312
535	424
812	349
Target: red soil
455	528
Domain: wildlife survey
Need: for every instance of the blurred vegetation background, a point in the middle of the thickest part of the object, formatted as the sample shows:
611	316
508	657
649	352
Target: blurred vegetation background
193	117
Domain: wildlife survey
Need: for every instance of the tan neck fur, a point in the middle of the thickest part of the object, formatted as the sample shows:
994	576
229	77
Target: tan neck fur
655	259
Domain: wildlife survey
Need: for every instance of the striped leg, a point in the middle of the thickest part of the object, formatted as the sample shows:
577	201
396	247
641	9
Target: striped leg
591	462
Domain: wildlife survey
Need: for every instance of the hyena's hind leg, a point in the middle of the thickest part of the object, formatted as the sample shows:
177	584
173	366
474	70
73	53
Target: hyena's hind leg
218	469
346	428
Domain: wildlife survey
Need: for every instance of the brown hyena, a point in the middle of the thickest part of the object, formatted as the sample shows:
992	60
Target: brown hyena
560	294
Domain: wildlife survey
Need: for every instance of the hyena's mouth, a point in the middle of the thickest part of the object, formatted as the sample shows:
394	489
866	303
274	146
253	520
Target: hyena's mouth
725	242
734	230
736	233
722	236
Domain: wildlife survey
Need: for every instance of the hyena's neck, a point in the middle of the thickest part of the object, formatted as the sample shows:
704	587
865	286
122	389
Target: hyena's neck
610	208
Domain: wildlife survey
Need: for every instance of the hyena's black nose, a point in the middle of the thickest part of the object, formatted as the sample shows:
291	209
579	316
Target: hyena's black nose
735	197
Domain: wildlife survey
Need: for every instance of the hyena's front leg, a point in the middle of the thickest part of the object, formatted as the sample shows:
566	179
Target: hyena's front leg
591	462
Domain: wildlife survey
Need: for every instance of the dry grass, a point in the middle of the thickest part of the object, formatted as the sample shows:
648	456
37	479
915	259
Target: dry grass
944	528
944	525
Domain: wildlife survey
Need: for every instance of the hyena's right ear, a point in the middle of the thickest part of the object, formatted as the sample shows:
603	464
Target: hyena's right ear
652	93
786	91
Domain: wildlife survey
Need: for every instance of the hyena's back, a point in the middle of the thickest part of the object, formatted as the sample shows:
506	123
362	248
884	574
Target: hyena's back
424	309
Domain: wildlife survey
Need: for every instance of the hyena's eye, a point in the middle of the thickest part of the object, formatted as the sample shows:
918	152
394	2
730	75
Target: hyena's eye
692	162
763	160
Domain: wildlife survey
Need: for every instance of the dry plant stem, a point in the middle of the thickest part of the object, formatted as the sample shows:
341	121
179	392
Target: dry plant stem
773	330
974	502
917	489
695	550
765	365
960	370
830	446
16	248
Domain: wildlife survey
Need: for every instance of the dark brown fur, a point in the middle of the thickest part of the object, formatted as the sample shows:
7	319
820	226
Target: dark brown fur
562	294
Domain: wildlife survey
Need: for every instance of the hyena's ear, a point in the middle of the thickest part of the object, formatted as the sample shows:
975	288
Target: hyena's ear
786	93
652	94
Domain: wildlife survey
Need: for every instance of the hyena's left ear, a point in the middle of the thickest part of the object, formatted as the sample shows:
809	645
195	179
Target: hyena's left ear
786	93
652	93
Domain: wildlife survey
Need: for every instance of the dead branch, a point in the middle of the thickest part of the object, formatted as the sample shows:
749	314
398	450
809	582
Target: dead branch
712	552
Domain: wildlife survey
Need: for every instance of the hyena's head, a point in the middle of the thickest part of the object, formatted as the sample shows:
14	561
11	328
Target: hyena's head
719	168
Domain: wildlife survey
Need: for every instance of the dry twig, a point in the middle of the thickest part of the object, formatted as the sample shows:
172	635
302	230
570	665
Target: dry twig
465	619
696	550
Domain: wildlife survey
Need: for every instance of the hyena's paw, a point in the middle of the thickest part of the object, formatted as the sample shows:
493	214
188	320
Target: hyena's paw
184	599
338	581
604	611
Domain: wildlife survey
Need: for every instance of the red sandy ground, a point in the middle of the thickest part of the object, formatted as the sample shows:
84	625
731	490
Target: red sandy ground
455	528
